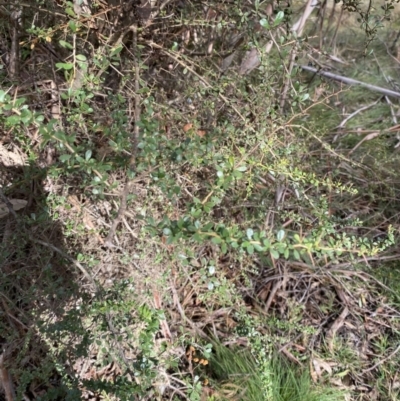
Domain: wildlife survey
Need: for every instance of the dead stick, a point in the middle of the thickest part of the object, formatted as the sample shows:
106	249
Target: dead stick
350	81
5	379
288	81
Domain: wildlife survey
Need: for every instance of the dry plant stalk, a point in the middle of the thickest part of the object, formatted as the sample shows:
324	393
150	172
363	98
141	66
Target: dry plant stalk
5	380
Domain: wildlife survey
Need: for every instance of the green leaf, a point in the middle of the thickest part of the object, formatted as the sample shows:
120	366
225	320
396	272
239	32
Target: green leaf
279	18
280	235
296	255
70	12
241	168
81	57
305	97
224	248
167	231
13	120
250	249
26	116
116	51
88	155
264	23
208	226
216	240
65	44
259	248
198	237
65	157
266	243
274	254
176	189
237	174
72	24
65	66
249	233
3	95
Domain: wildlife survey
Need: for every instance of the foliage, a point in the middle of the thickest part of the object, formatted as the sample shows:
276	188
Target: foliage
240	202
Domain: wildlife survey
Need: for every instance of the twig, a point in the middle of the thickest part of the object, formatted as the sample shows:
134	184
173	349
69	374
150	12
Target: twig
337	324
382	360
5	379
333	41
70	258
350	81
178	305
134	143
14	54
160	8
299	25
370	136
349	117
293	55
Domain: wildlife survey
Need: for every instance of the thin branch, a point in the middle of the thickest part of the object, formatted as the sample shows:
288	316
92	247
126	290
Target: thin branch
70	258
5	379
349	117
382	360
350	81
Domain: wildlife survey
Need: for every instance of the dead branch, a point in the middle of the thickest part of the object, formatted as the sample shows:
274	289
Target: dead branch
351	81
5	379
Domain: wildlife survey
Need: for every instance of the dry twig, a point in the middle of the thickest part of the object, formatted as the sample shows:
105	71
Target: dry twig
351	81
5	379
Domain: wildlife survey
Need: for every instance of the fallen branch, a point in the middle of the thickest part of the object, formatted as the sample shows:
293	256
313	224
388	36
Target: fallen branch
350	81
5	379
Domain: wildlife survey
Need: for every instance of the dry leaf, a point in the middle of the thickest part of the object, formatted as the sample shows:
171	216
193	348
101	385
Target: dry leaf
211	14
227	61
201	133
187	127
16	203
11	159
320	366
337	324
250	62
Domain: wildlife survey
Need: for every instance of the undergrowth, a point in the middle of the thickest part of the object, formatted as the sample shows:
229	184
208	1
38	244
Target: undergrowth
176	203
